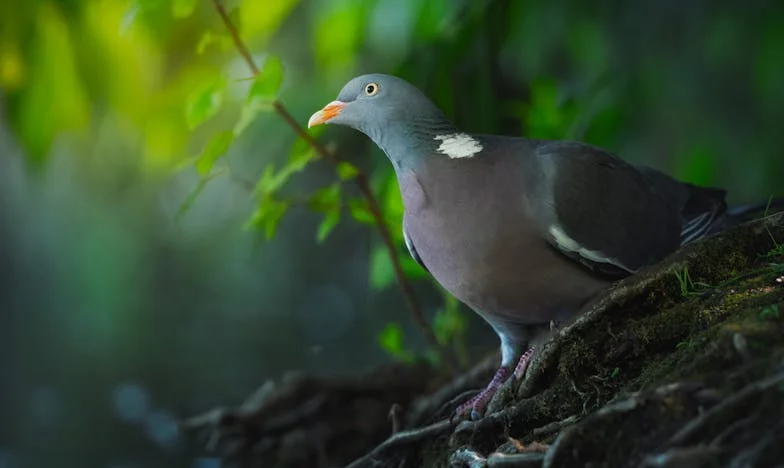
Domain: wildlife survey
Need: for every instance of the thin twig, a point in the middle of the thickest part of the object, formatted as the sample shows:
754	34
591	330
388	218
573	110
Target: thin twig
400	439
235	35
362	181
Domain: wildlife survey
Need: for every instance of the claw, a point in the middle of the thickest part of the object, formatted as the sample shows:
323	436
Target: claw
478	403
522	364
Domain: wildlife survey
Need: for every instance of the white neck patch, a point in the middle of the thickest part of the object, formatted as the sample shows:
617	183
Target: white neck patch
458	145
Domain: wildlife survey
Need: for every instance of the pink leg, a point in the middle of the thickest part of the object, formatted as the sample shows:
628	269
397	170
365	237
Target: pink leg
477	404
522	364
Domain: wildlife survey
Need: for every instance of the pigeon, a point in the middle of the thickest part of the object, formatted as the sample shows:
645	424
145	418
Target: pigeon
523	231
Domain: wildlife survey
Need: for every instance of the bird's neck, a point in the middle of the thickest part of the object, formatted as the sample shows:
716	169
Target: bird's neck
409	144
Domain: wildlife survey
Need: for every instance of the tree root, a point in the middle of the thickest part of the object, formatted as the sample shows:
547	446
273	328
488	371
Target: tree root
379	456
303	421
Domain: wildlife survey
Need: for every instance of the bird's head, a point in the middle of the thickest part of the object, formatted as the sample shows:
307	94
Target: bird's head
387	109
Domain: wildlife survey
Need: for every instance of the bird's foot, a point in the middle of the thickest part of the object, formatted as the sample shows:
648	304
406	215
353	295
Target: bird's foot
522	364
476	405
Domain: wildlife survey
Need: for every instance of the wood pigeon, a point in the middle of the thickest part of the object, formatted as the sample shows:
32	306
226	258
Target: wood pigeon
522	231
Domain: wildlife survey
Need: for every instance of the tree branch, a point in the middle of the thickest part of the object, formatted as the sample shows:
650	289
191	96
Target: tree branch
362	181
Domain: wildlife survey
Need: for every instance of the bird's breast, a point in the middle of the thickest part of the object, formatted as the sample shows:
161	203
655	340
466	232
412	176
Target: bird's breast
472	229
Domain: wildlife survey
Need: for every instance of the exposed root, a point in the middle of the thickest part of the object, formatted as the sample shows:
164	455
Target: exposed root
398	444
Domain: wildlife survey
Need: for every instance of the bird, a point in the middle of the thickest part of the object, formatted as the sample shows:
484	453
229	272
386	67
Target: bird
525	232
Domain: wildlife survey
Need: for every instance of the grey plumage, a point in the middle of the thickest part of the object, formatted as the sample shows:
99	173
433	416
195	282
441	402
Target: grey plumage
522	231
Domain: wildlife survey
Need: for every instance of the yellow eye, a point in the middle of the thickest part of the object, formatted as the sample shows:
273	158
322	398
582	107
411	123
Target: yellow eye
371	89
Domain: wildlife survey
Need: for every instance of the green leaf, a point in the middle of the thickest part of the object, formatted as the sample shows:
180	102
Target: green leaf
263	92
347	171
183	8
301	154
262	18
360	211
267	83
548	115
326	199
209	38
338	34
54	97
206	40
268	215
331	219
204	102
391	340
271	181
449	324
216	148
192	196
382	274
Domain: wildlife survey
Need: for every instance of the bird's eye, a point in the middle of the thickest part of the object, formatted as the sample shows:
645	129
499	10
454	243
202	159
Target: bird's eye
371	89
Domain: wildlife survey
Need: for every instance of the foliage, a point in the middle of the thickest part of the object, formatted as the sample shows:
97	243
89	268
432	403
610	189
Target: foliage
216	148
263	92
166	81
776	252
450	325
135	143
204	102
770	312
391	340
686	285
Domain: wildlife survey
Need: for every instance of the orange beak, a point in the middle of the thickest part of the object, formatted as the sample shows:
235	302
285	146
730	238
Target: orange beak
328	112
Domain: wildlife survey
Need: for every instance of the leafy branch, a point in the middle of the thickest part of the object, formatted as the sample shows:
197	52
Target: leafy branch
358	176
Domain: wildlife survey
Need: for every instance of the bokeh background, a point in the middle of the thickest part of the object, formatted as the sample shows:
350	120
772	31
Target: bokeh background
141	283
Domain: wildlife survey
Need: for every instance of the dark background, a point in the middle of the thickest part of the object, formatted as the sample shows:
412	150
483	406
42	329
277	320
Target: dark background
122	311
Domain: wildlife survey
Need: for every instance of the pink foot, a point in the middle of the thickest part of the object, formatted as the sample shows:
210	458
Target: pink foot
522	364
477	404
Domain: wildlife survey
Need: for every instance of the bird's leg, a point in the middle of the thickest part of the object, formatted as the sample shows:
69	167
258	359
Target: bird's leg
510	350
477	404
522	364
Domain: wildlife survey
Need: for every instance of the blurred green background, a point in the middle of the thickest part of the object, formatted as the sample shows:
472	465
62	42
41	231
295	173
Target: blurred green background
144	279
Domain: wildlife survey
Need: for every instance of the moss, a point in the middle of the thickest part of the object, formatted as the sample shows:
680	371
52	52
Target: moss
578	359
707	335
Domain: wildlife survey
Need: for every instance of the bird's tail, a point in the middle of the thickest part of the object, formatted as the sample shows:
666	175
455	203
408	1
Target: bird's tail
703	209
740	214
706	213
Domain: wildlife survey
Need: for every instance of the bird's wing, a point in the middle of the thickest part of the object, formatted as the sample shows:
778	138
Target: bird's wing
701	208
411	248
600	210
